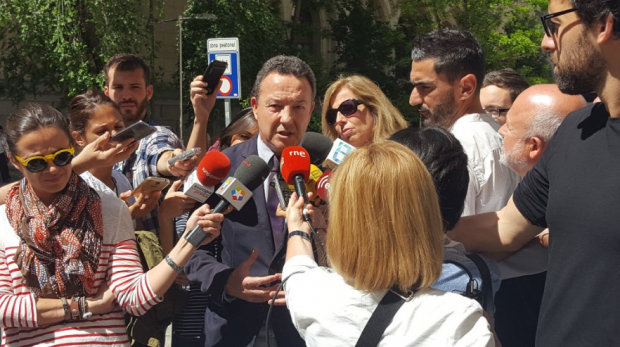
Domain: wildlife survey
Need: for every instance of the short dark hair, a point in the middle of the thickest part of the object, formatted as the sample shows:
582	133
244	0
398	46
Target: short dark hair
82	107
127	62
284	65
591	11
33	117
446	161
456	52
507	79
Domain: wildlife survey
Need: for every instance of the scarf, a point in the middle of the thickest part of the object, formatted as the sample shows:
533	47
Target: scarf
60	244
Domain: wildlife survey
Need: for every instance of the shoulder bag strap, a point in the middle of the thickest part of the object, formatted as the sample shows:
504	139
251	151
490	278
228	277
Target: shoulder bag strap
379	320
487	288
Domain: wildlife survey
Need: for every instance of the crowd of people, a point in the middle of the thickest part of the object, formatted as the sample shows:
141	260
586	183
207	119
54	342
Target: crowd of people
492	225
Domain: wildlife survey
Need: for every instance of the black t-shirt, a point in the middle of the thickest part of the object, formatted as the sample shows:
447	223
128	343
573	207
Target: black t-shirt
574	190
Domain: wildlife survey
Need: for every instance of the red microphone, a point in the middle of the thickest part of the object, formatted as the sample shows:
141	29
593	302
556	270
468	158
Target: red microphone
322	186
212	169
295	168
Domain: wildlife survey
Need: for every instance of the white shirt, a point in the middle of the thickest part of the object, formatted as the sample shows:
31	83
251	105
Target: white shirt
265	153
490	182
329	312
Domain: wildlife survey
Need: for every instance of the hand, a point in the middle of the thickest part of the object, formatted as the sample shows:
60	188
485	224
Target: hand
543	238
294	213
175	203
182	280
103	302
143	204
251	289
103	153
203	103
211	223
181	168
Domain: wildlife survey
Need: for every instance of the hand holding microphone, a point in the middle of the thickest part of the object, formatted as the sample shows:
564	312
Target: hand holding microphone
235	191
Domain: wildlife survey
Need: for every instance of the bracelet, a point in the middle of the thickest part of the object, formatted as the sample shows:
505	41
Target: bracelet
84	308
173	265
303	234
65	306
75	308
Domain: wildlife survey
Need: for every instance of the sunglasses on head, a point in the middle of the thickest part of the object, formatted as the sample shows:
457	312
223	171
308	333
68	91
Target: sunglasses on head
38	163
347	108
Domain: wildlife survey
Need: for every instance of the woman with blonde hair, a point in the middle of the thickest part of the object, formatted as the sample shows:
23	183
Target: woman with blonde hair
358	112
385	240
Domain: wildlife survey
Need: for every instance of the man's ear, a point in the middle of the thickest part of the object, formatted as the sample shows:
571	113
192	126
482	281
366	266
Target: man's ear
605	29
467	84
149	92
79	139
536	147
254	104
106	91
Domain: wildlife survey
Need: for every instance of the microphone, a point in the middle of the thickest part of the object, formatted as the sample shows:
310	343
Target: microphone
317	145
235	191
315	174
338	152
295	169
211	170
322	186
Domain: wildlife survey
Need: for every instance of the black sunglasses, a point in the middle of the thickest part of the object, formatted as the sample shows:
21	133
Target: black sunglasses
38	163
347	108
549	26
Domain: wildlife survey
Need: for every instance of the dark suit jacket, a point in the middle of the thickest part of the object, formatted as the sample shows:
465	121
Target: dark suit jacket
236	323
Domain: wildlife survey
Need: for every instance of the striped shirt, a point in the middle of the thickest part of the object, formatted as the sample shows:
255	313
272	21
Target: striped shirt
119	266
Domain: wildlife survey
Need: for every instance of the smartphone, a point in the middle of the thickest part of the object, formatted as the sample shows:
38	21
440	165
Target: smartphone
185	155
212	75
152	184
282	190
136	131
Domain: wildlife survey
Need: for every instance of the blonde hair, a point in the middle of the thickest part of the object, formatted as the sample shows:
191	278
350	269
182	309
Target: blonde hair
388	230
387	118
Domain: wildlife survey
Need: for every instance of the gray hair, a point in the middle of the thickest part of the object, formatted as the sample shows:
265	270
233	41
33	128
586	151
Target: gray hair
284	65
544	124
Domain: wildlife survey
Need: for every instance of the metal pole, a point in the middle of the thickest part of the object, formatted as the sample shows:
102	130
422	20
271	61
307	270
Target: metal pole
227	111
181	77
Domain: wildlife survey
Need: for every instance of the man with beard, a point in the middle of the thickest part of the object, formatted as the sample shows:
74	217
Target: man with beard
574	188
128	83
447	68
530	123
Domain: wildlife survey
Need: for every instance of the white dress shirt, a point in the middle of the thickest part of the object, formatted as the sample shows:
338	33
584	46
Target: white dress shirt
490	182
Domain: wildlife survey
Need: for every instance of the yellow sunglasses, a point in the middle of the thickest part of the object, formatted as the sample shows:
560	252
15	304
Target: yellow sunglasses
38	163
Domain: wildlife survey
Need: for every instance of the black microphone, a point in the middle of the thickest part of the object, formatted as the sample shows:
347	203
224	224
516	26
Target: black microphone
318	147
235	191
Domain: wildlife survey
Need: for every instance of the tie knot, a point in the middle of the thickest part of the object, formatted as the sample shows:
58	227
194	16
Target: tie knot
275	163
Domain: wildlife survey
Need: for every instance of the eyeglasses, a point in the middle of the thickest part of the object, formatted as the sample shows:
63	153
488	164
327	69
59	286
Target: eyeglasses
38	163
549	26
496	112
347	108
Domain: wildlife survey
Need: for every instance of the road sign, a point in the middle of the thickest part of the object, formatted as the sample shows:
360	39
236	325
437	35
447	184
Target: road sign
227	49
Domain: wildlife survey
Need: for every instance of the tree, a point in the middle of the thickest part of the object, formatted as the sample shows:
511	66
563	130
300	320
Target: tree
60	47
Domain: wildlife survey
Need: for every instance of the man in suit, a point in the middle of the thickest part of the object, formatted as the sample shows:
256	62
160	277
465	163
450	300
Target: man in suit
253	239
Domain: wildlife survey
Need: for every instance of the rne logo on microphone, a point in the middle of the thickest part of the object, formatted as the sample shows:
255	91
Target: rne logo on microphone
238	194
297	153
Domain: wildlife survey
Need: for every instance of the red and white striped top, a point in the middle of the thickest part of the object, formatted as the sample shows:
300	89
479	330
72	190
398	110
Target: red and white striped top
119	266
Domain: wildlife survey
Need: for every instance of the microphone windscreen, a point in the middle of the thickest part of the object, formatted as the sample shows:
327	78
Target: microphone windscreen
295	161
213	168
252	172
317	145
322	185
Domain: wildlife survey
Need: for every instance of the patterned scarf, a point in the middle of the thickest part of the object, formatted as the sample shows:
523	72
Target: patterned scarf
60	244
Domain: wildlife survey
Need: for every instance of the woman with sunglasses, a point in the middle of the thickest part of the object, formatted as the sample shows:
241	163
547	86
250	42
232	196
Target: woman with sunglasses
67	253
356	111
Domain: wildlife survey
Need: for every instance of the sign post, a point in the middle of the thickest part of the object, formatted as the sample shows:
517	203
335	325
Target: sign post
227	49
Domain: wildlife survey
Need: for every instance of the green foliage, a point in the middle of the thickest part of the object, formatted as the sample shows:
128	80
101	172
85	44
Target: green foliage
60	46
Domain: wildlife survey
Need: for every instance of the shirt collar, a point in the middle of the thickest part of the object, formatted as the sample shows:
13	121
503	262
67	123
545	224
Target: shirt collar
264	152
